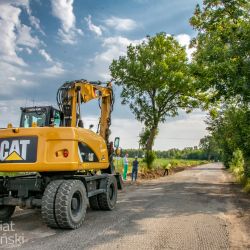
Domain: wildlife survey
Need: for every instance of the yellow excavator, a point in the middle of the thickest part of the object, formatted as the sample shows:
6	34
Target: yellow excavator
65	167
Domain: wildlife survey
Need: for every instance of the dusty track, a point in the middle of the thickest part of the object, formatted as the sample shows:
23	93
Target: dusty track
198	208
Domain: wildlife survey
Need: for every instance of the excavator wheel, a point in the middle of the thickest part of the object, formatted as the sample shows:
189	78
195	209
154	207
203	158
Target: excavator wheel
6	212
107	200
71	204
48	203
93	203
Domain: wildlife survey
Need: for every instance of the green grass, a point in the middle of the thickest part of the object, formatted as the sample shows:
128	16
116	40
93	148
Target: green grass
10	173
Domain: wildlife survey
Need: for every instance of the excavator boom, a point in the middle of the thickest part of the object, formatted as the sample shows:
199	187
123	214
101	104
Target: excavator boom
71	95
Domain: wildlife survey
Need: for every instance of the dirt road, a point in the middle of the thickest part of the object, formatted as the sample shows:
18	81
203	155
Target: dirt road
198	208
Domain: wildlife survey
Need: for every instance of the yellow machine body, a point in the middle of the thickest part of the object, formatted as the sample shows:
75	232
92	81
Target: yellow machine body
52	142
67	147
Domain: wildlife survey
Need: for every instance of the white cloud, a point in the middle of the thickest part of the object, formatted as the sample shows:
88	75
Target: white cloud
15	39
10	110
94	28
117	46
113	48
45	55
34	21
15	34
29	51
12	78
9	22
24	3
63	10
180	132
25	38
184	40
121	24
54	71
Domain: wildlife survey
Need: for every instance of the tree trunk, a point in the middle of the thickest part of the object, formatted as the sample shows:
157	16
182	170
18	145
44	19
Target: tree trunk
151	138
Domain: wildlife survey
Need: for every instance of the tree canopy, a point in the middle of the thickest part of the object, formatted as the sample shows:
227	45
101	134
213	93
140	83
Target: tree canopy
221	61
155	81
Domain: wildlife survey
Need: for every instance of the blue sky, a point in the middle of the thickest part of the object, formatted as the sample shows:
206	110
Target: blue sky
45	43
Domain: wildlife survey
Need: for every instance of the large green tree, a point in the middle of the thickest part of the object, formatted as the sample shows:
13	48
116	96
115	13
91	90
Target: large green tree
155	81
221	62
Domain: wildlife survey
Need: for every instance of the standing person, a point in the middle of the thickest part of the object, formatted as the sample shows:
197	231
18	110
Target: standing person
135	169
125	166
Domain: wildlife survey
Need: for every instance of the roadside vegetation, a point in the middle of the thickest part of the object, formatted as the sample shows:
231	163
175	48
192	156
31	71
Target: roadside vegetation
221	66
158	167
236	166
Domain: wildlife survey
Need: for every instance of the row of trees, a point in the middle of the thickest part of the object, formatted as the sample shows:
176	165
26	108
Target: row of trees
221	65
157	79
190	153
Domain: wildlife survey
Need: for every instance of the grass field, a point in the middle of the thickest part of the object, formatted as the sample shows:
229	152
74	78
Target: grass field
158	164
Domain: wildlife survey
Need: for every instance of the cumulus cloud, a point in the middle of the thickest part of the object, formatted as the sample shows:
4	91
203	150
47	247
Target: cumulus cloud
45	55
29	51
23	3
12	78
92	27
25	38
184	40
10	110
54	71
181	132
17	38
120	24
113	48
34	21
63	10
9	22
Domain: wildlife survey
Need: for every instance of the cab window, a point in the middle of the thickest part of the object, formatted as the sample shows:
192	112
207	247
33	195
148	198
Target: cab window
30	117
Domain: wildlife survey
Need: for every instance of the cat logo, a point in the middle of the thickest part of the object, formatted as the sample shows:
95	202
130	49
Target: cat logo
18	149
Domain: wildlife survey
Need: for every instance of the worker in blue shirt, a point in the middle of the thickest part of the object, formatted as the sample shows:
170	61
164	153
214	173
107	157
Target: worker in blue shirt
135	165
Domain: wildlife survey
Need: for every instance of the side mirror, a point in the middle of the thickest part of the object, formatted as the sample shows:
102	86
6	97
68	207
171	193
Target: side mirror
117	142
91	126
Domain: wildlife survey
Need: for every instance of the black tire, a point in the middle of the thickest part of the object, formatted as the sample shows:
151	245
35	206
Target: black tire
6	212
107	200
71	204
48	203
93	203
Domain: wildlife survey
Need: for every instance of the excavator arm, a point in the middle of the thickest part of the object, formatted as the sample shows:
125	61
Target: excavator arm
71	95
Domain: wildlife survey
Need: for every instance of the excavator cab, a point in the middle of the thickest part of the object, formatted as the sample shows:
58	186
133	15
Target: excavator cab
44	116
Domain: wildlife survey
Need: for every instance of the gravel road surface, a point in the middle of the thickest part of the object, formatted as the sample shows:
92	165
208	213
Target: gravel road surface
199	208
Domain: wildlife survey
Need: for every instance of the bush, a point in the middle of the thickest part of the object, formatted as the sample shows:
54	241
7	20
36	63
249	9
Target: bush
237	164
247	168
247	185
